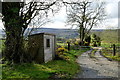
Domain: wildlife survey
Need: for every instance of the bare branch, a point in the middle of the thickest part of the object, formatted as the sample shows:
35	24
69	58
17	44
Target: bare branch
85	15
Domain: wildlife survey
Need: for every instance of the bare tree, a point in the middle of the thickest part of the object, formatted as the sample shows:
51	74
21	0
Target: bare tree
85	15
17	16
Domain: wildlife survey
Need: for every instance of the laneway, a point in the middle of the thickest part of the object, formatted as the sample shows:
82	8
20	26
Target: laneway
98	67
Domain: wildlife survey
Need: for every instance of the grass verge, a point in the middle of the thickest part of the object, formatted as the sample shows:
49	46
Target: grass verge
76	53
108	53
52	69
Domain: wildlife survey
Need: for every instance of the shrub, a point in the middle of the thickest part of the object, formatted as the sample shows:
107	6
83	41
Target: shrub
76	43
61	53
86	43
87	40
62	49
95	40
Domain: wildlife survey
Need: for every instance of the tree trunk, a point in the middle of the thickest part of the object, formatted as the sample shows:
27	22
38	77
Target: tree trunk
14	52
13	45
82	33
83	36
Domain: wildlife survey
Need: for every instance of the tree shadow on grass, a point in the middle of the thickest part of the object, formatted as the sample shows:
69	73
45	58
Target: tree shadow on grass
30	71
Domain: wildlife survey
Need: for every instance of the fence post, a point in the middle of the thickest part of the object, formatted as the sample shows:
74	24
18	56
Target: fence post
114	51
68	46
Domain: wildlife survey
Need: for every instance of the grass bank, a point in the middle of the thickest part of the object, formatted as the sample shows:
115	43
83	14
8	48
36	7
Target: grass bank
108	53
109	44
52	69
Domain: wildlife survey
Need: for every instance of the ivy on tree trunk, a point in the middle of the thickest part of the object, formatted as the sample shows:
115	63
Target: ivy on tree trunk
14	51
17	18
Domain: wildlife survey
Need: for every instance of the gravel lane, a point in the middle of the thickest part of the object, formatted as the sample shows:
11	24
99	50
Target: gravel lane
98	67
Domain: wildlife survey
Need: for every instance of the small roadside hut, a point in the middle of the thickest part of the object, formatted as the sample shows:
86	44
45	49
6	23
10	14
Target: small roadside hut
42	47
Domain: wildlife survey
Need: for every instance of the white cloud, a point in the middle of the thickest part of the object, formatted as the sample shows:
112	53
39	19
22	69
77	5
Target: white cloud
61	16
56	24
112	22
108	24
111	9
112	16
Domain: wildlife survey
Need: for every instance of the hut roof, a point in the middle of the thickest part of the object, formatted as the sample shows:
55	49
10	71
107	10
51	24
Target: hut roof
42	34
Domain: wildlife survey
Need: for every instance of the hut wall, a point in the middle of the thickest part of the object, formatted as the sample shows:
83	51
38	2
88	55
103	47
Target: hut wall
49	52
36	50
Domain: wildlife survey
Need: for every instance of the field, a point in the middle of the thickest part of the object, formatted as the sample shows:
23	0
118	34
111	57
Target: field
109	44
53	69
57	67
107	51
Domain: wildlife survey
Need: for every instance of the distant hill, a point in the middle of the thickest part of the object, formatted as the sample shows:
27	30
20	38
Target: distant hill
64	33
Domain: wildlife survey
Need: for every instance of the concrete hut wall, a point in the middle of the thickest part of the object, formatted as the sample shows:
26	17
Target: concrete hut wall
49	53
38	50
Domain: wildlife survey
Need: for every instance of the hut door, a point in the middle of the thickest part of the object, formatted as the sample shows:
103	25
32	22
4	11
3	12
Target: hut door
48	48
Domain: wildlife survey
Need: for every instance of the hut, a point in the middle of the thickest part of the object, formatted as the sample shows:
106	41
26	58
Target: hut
42	47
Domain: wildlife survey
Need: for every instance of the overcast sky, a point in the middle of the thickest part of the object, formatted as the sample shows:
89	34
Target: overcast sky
111	21
111	9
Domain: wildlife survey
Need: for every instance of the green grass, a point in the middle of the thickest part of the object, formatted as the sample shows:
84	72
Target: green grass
62	44
105	44
40	70
60	68
1	44
78	52
109	44
63	68
26	71
109	54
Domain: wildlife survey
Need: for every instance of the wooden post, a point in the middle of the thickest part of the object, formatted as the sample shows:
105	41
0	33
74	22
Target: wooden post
68	46
114	52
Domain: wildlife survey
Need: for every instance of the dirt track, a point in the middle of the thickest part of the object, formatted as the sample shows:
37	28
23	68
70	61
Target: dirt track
98	67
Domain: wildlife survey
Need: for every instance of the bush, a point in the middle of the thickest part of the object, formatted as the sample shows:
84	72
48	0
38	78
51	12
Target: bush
61	53
95	40
76	43
62	49
87	40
